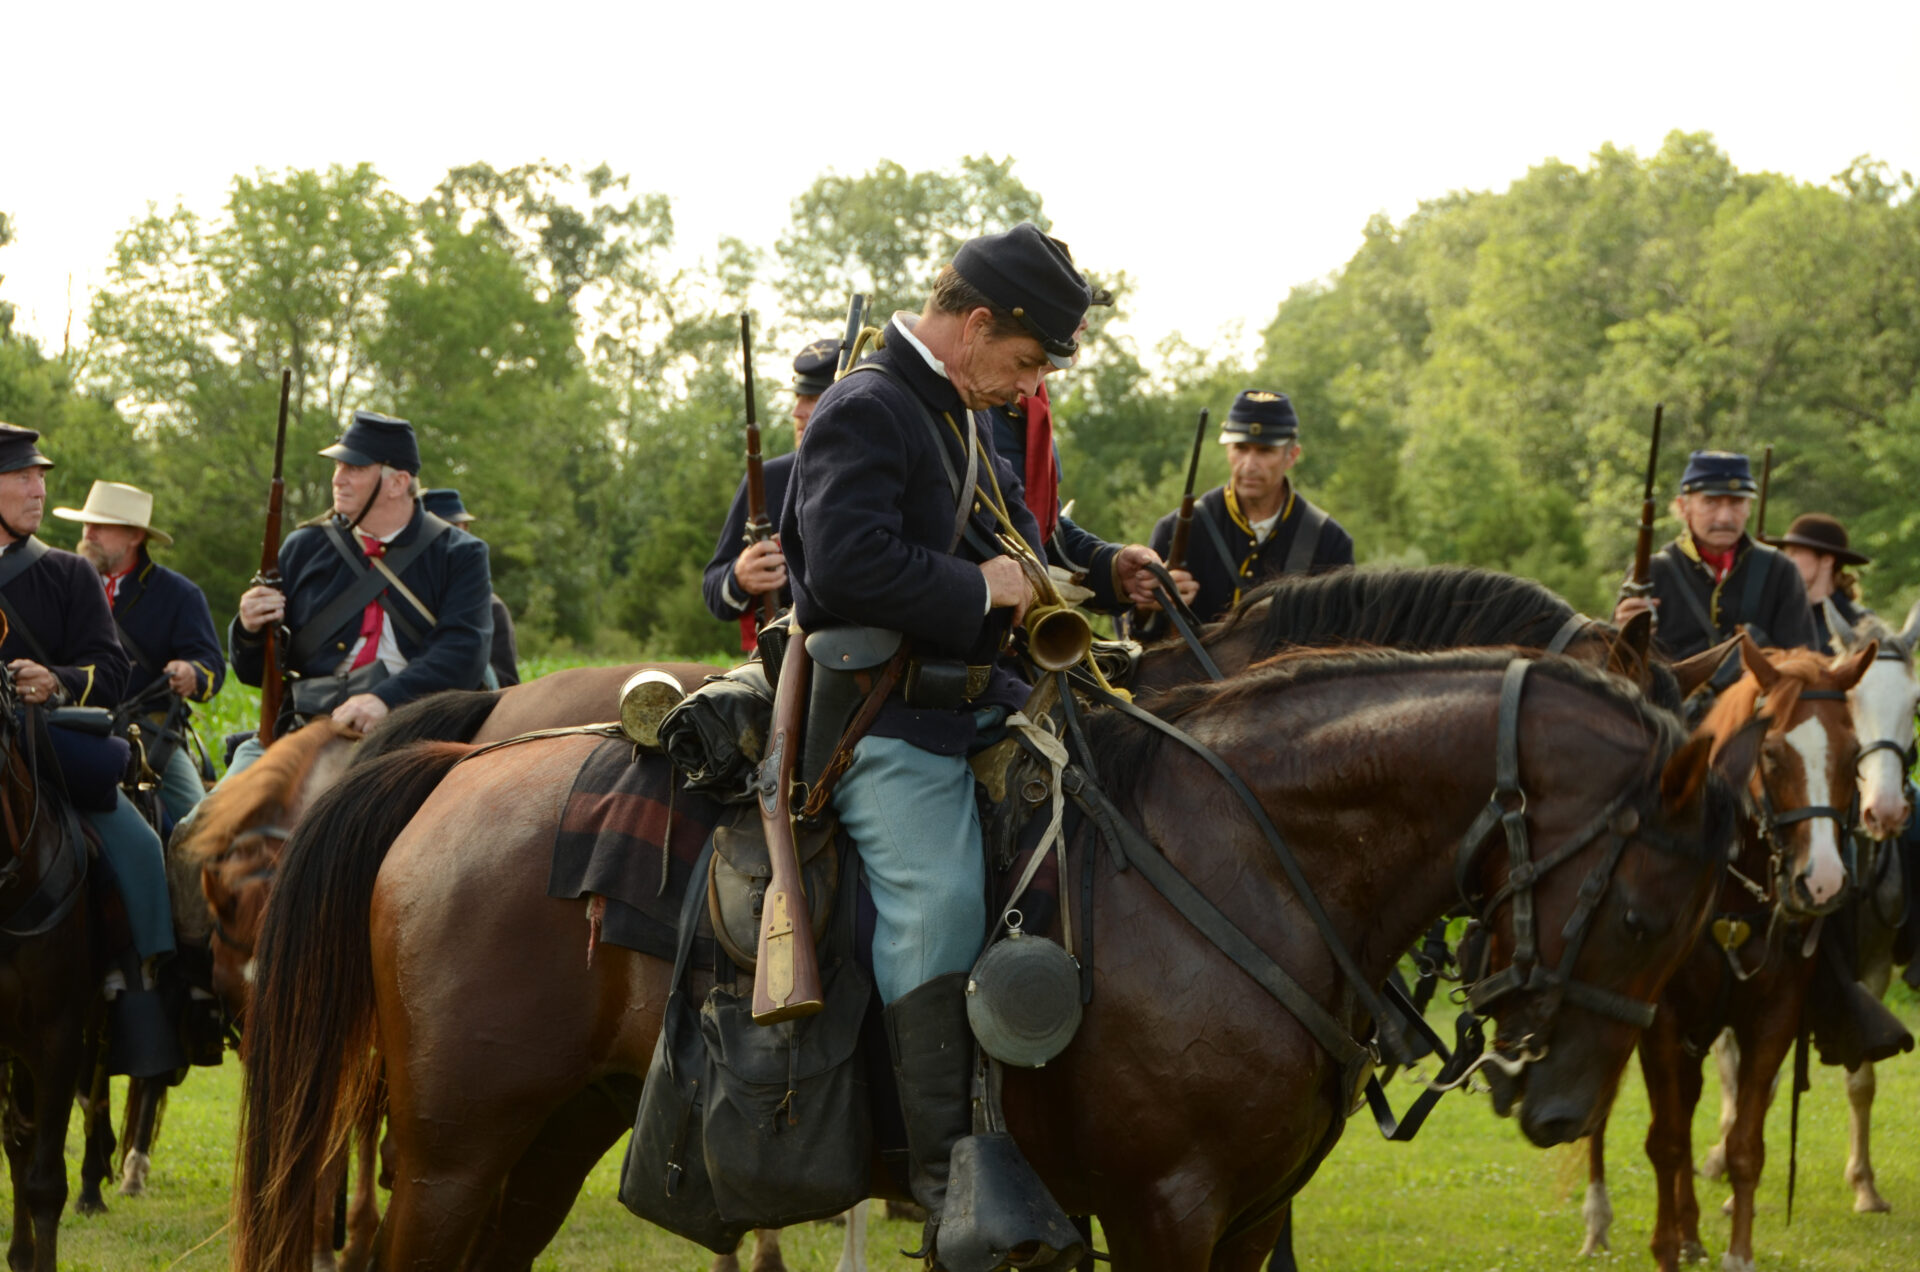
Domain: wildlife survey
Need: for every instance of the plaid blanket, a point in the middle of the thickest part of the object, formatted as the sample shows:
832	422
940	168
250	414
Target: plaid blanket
631	833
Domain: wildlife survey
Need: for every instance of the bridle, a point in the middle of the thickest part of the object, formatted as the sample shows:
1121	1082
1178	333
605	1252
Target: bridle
1770	820
1506	810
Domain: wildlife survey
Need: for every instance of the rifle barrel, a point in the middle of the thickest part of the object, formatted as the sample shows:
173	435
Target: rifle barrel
1183	523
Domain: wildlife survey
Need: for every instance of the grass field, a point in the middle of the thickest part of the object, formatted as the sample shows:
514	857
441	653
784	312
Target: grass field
1469	1196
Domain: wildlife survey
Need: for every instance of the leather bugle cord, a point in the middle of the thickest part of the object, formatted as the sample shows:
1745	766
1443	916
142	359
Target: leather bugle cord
786	982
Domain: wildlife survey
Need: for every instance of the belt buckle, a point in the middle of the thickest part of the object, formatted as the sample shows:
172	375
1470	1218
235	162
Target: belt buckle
978	677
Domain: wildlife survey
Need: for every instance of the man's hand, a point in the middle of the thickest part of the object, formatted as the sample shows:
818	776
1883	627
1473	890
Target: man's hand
260	607
35	683
362	712
1137	585
1631	605
1007	586
762	568
182	678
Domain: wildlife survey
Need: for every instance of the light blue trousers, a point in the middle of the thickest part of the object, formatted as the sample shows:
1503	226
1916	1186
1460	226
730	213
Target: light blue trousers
244	754
180	787
133	850
914	823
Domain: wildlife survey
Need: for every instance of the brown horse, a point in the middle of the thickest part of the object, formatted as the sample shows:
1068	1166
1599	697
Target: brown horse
49	987
422	893
1750	973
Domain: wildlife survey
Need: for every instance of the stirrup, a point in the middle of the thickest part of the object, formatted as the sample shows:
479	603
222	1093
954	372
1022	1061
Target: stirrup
998	1215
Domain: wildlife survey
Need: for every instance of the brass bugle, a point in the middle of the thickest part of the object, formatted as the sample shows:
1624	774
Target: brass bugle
1058	637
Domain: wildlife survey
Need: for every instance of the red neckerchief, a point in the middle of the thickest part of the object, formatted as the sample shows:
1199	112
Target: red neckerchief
1721	563
373	617
1042	479
113	582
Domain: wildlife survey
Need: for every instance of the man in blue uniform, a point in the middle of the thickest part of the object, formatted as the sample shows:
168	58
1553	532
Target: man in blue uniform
881	532
740	573
384	601
1257	526
1713	578
503	657
61	650
162	618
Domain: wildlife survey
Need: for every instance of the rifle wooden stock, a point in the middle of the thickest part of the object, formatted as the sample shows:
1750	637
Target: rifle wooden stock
786	982
759	528
1766	481
1183	522
272	679
1640	579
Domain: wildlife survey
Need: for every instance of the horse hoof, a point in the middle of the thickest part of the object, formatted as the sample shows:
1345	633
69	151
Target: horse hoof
1693	1252
1713	1165
1734	1263
1869	1202
90	1205
133	1178
1596	1243
725	1263
770	1263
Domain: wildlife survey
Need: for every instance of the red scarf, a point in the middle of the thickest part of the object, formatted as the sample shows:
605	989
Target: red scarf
1042	478
1721	563
373	617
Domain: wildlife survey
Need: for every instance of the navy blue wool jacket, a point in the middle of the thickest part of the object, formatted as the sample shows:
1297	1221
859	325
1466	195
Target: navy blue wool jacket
733	541
1072	547
451	578
1222	582
59	599
165	614
869	516
1763	589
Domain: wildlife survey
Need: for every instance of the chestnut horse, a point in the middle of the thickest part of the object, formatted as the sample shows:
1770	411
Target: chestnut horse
421	893
1750	973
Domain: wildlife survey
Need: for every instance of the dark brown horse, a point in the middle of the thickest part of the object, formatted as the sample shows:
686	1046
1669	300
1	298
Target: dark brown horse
1749	973
422	894
49	986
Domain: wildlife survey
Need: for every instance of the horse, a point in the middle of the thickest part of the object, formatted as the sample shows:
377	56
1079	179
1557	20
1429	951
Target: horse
1882	704
49	986
422	893
1750	975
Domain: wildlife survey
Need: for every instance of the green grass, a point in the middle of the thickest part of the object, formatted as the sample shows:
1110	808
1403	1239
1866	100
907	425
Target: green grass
1468	1196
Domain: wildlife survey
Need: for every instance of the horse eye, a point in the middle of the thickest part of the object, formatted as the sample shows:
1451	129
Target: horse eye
1637	924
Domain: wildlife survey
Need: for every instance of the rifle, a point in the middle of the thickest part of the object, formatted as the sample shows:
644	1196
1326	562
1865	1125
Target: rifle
272	683
856	317
1183	523
1640	580
786	979
759	529
1766	480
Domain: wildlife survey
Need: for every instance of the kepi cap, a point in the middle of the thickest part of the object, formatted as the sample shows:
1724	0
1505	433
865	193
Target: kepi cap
1261	417
114	503
1718	473
814	366
445	504
377	439
17	449
1820	533
1030	276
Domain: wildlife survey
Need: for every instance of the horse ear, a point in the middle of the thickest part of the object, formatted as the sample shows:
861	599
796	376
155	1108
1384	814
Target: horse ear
1911	632
1837	624
1848	672
212	887
1685	770
1756	662
1628	656
1697	670
1734	758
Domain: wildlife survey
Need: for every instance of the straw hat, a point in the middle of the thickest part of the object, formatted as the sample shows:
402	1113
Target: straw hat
112	503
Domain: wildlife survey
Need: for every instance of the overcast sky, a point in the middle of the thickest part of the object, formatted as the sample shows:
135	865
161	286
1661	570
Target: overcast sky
1219	154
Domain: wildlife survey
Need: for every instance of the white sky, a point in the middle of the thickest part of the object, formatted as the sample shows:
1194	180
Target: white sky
1219	153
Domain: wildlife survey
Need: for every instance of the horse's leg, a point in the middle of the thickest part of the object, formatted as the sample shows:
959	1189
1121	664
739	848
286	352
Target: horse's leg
1172	1228
541	1188
853	1250
1673	1089
1597	1210
326	1208
96	1142
1249	1251
1762	1051
1861	1085
363	1207
17	1131
766	1251
136	1133
1726	1054
46	1182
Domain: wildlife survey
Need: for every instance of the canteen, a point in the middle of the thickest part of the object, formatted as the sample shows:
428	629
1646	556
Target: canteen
1023	999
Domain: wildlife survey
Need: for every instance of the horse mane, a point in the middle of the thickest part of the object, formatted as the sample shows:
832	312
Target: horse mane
452	715
1124	751
234	806
1873	627
1425	608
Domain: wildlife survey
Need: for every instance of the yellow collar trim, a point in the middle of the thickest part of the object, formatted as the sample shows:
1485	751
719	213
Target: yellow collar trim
1240	518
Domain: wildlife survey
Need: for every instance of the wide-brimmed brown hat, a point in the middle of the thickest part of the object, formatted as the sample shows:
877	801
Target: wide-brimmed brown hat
1820	533
112	503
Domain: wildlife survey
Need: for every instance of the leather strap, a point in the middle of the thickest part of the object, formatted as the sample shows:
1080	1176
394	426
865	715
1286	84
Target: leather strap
12	565
368	585
1306	538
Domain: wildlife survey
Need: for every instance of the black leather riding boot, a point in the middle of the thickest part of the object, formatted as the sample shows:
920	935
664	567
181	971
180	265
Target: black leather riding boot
932	1046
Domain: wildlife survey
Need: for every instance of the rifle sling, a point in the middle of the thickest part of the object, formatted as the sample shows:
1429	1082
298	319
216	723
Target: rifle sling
1205	518
1306	538
368	585
132	646
12	565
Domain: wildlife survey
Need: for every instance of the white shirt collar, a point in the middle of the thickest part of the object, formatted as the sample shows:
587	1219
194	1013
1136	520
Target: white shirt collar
905	322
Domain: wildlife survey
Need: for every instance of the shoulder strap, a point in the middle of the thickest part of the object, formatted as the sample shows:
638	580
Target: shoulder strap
1683	587
132	646
1204	516
12	566
368	585
1758	567
961	487
1306	538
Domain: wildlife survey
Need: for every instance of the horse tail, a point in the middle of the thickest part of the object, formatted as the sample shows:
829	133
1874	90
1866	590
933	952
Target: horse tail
452	715
310	1073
